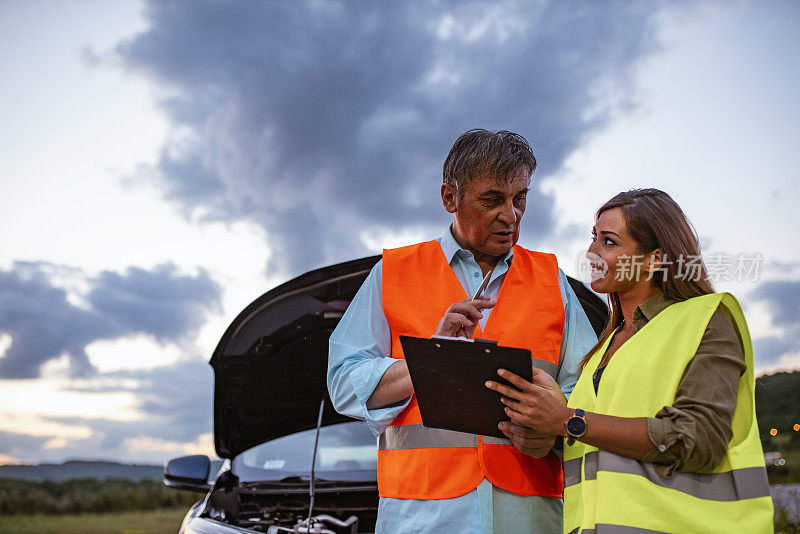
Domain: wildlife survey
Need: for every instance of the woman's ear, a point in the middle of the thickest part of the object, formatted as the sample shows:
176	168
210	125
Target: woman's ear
655	262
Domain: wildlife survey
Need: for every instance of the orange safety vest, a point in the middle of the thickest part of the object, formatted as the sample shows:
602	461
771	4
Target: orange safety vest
417	462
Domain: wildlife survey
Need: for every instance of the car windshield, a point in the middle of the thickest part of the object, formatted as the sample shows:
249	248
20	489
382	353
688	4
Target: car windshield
347	451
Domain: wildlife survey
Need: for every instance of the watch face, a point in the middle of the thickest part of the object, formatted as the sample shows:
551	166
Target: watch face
576	426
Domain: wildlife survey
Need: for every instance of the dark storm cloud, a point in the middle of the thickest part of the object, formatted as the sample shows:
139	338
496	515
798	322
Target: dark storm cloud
320	120
44	324
783	297
769	350
19	445
175	399
175	404
159	302
783	300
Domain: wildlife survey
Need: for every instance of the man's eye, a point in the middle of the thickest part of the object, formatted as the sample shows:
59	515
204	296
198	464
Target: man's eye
520	200
492	201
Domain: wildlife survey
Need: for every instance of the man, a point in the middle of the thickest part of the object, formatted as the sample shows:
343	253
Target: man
433	480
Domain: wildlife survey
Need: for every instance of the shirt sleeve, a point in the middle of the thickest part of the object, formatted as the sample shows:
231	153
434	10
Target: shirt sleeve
578	338
699	420
358	355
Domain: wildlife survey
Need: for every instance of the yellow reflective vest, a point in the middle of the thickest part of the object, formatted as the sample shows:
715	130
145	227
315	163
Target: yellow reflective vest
608	493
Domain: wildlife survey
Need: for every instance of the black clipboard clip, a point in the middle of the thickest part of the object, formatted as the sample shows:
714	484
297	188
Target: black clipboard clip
465	339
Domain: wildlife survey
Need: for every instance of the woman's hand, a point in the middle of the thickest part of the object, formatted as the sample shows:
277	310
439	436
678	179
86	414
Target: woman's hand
460	319
539	405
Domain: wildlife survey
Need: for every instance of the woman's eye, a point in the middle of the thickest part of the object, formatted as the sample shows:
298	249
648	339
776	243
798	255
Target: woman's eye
608	241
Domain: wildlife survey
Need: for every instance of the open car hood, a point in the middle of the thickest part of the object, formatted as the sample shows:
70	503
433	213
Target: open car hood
270	365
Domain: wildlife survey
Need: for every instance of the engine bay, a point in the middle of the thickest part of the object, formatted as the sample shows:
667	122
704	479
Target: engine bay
283	507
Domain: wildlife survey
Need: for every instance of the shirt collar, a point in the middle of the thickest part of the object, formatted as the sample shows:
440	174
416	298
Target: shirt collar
450	247
648	309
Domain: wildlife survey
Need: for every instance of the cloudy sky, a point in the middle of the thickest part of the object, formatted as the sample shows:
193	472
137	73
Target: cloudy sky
162	164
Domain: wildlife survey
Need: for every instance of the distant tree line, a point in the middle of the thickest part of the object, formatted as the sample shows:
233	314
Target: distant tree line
778	411
80	495
778	408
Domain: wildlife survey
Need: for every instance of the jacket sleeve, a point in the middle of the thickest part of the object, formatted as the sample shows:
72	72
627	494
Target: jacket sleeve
358	355
699	420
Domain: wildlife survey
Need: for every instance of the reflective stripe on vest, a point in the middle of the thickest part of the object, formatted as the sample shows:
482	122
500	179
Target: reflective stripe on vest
417	462
548	367
420	437
608	493
744	483
615	529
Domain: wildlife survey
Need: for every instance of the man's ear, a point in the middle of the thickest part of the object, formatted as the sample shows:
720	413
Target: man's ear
449	198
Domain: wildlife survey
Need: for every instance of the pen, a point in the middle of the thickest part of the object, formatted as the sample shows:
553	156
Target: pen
483	285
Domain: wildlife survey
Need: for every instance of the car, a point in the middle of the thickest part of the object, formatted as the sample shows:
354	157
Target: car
774	459
291	462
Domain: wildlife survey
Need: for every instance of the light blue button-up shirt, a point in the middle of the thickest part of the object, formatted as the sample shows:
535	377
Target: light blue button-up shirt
359	355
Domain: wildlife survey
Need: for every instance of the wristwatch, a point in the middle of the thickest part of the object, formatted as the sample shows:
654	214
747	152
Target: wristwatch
576	426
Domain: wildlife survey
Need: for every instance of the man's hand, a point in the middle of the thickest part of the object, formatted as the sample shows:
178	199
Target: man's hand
528	441
460	319
544	380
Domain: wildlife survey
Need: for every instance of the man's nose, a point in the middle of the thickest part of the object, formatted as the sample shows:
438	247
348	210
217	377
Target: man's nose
508	214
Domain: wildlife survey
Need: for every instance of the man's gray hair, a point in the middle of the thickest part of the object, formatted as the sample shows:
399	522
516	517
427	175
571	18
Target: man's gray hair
485	152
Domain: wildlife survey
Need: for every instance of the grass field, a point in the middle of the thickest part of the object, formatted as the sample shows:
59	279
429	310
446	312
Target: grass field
150	522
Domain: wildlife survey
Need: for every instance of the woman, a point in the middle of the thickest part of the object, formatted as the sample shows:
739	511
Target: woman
661	430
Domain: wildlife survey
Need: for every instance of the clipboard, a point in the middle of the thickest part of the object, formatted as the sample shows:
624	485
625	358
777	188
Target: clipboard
449	375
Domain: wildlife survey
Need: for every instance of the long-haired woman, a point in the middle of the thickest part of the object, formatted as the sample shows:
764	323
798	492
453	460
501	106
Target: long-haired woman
660	430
